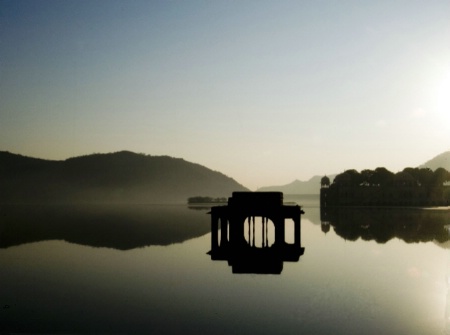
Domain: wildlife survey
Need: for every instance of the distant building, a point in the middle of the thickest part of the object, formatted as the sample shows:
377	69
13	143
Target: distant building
401	189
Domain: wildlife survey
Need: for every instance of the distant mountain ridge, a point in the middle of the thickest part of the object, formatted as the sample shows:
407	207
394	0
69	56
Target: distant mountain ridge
312	186
113	177
441	160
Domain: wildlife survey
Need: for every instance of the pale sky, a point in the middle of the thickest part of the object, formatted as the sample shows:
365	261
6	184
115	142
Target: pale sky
265	92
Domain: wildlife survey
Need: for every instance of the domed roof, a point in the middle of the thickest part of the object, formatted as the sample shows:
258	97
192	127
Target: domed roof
325	181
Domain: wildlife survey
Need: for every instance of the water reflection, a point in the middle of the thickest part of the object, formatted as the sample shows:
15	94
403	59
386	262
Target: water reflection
411	225
336	288
120	227
247	257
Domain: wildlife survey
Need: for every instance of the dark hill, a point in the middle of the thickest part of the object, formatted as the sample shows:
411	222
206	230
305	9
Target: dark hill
115	177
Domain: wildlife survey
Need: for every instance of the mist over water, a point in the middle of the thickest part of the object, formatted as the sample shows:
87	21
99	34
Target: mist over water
145	269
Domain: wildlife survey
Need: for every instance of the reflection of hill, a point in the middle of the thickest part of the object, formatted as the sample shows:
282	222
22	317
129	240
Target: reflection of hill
312	214
382	224
121	227
116	177
310	203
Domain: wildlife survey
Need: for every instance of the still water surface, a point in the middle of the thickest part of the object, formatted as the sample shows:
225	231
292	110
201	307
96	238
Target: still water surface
145	269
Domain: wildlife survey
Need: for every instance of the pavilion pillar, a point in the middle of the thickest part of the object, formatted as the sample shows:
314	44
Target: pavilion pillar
237	235
279	230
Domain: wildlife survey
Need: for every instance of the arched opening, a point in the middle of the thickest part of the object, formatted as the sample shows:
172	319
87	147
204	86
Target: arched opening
224	232
259	232
289	231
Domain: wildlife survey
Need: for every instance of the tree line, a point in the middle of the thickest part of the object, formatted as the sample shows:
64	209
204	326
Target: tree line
383	177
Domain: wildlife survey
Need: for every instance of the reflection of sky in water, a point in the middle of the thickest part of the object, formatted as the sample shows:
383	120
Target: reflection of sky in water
337	287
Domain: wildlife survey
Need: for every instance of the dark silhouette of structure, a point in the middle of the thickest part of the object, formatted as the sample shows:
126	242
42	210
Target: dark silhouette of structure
242	255
412	187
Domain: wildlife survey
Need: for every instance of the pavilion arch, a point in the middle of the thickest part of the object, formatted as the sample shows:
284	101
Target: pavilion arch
259	231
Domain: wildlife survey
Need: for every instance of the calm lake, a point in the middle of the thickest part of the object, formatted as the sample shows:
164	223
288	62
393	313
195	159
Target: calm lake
146	269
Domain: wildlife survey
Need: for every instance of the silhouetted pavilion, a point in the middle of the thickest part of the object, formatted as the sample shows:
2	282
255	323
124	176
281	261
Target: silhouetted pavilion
233	247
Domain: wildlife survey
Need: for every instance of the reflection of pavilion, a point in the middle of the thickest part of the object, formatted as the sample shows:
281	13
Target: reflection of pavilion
242	255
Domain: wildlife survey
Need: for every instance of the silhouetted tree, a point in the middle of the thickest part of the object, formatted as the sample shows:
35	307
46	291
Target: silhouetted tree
425	176
348	178
404	178
382	176
414	172
440	176
367	177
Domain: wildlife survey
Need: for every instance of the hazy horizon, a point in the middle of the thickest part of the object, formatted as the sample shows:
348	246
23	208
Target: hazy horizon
264	92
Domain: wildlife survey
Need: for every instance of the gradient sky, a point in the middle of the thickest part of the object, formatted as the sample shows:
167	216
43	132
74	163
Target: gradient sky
265	92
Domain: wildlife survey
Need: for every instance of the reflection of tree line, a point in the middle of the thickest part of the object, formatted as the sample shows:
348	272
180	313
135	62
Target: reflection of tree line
120	226
410	187
382	224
